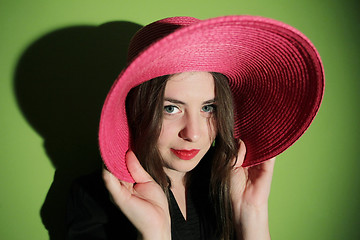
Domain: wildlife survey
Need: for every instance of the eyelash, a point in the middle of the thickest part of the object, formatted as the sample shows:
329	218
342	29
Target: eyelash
170	106
173	107
212	106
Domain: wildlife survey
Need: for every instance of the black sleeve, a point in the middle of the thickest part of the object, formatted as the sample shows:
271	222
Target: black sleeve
91	215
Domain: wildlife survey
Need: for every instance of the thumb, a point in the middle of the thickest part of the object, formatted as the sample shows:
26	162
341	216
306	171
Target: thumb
136	170
241	154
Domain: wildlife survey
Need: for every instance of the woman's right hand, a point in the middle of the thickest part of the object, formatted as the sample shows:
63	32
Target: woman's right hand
144	203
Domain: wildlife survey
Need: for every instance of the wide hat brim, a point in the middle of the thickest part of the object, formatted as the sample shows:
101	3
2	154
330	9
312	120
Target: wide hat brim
274	72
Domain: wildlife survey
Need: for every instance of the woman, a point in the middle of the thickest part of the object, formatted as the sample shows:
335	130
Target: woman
171	126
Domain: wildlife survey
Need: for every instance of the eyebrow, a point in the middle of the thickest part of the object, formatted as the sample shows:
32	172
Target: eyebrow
175	101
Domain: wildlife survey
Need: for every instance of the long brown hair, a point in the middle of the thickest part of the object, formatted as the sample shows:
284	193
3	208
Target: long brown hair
225	150
144	108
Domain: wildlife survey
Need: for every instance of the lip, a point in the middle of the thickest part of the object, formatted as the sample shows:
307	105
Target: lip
185	154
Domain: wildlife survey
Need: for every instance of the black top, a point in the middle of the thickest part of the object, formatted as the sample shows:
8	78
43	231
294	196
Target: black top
91	215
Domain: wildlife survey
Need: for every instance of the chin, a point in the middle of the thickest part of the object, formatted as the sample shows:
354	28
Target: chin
183	166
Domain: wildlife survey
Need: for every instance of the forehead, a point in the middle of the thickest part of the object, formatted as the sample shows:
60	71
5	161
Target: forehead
191	84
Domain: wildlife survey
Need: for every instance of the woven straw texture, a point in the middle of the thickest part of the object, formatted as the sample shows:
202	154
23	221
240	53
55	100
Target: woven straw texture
274	71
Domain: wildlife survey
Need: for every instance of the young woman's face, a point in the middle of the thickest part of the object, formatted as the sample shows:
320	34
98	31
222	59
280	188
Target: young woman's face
188	124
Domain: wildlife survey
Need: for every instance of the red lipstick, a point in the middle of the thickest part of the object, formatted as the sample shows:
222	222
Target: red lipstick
185	154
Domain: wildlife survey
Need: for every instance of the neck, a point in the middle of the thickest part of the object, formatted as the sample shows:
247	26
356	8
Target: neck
177	178
178	188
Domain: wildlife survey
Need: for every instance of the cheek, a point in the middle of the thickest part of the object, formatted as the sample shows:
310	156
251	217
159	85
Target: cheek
167	134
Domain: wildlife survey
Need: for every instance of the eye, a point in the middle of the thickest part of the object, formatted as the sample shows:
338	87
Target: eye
208	108
171	109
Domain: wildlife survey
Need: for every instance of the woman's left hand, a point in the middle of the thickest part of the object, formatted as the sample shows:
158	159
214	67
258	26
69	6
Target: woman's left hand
250	190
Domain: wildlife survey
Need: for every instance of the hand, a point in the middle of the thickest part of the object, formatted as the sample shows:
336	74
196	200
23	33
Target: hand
143	203
250	190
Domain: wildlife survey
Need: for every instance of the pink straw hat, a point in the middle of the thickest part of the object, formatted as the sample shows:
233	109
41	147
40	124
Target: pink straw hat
274	71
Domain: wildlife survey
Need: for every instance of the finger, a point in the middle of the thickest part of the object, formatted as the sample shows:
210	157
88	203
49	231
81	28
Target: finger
136	170
119	191
268	165
263	172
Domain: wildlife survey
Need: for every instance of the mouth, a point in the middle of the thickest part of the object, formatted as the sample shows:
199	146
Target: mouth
185	154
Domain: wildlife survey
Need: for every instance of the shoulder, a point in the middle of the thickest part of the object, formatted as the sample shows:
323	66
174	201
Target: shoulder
91	214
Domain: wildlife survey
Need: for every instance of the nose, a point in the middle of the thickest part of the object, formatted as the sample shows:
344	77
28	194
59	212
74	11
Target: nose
191	130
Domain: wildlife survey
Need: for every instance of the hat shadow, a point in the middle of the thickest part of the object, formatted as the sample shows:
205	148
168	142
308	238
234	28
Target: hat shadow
60	84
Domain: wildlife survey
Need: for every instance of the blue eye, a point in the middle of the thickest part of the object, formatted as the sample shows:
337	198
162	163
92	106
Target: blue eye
208	108
171	109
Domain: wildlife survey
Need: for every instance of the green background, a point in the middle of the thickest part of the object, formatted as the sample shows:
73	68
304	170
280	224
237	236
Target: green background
50	45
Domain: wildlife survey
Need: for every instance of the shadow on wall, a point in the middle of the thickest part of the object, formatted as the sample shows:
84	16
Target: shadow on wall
61	82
